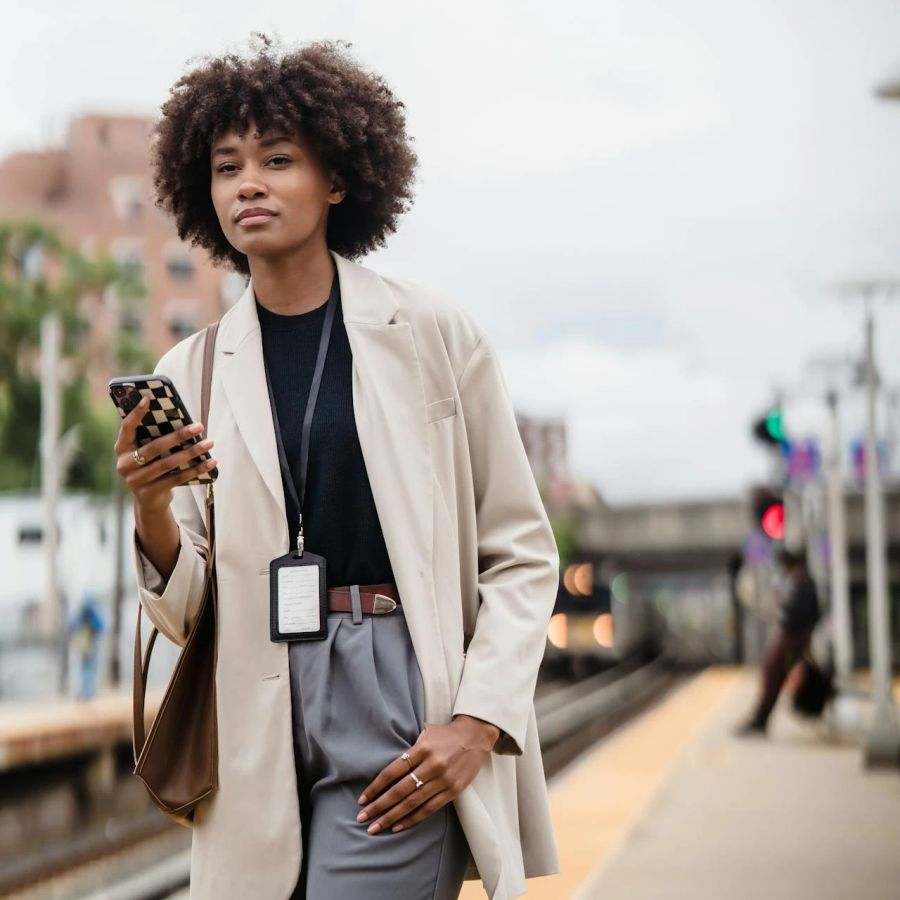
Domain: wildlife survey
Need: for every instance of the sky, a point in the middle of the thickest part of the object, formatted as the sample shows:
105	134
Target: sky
647	205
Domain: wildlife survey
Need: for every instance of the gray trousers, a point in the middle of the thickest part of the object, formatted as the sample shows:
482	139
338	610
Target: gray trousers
358	703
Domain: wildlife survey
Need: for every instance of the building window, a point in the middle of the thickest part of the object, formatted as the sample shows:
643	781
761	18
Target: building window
128	197
27	258
179	263
130	322
132	262
31	534
181	327
180	268
33	261
127	253
181	318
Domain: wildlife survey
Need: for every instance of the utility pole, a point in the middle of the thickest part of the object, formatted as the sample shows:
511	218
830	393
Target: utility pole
837	549
834	371
115	663
881	740
54	599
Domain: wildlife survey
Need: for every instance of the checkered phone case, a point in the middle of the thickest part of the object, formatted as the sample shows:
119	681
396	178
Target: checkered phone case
166	413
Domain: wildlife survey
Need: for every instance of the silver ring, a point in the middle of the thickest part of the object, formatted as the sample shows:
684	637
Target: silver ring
137	457
406	757
418	781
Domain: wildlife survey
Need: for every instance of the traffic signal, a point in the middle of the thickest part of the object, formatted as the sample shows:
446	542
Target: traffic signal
768	512
770	428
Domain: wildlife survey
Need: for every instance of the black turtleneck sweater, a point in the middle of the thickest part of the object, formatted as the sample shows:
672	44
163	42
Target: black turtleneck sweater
340	521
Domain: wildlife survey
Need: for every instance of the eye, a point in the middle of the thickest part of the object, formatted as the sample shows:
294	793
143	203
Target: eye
225	168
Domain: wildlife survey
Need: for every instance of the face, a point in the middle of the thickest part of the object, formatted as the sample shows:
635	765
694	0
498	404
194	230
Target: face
277	175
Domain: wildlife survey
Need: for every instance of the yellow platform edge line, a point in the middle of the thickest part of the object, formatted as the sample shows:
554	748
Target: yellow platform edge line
599	799
666	734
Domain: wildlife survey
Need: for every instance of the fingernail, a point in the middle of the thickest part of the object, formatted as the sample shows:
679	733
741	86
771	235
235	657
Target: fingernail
374	828
144	401
362	798
362	817
195	428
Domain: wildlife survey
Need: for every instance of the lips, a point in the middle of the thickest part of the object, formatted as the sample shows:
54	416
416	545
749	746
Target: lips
256	213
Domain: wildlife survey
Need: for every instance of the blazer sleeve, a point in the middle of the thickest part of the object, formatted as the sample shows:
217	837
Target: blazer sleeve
172	605
518	560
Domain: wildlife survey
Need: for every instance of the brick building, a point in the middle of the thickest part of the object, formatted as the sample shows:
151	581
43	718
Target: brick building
545	445
96	192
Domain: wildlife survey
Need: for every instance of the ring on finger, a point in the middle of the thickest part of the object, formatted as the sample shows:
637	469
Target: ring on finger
406	757
416	779
140	460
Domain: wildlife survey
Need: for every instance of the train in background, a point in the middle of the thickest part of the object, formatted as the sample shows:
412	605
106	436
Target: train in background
597	624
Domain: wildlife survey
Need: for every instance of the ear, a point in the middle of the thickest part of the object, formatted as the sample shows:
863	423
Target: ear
338	189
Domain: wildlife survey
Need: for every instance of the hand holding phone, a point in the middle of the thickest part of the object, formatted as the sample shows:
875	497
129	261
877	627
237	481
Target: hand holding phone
157	425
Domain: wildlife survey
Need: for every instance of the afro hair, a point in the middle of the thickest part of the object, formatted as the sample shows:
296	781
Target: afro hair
348	115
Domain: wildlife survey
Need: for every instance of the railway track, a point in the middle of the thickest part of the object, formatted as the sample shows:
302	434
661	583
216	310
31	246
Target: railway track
571	718
578	716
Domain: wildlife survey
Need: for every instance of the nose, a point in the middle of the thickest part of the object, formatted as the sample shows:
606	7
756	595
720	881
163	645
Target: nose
250	188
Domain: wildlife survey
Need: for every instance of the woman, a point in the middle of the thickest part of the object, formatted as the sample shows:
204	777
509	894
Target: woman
397	754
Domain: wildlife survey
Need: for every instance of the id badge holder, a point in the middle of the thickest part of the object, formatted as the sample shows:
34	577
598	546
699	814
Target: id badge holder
298	597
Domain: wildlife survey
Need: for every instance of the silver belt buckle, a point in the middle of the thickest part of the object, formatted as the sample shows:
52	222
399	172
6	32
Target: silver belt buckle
383	604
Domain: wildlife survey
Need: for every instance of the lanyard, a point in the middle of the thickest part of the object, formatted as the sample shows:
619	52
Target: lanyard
286	474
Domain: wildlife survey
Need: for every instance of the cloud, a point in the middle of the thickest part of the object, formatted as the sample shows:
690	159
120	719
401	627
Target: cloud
642	201
642	423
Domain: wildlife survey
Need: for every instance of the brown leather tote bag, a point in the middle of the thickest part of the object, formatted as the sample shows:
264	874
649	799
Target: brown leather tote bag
178	759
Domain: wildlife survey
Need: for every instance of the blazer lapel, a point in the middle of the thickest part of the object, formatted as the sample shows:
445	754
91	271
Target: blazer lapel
388	406
240	367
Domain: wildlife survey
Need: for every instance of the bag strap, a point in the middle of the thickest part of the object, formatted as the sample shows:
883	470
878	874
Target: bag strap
208	349
205	392
139	677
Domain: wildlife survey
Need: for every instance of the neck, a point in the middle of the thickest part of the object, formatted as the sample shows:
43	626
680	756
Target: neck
294	285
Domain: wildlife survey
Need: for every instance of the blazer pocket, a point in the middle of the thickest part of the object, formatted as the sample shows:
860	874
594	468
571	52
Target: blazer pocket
440	409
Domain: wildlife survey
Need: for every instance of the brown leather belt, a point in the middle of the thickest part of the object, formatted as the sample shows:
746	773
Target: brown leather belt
375	599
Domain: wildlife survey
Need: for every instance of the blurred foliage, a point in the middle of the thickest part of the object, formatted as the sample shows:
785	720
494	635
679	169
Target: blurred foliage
40	274
565	530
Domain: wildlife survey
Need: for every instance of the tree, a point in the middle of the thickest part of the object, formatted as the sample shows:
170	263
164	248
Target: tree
41	274
566	532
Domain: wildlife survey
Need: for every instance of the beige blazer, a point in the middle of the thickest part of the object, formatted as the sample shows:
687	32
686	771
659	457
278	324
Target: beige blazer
473	556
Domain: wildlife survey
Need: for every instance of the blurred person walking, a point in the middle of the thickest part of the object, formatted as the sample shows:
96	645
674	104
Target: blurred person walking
85	627
798	614
397	753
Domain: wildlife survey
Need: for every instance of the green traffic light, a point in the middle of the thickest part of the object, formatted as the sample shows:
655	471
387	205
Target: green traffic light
775	425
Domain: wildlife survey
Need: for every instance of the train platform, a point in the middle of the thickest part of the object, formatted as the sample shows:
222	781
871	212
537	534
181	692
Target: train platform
33	732
674	806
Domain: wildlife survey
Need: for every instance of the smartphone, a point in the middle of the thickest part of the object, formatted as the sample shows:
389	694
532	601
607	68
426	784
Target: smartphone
165	414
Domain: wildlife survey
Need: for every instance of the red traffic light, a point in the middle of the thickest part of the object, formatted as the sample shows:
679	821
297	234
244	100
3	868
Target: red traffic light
768	512
772	521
